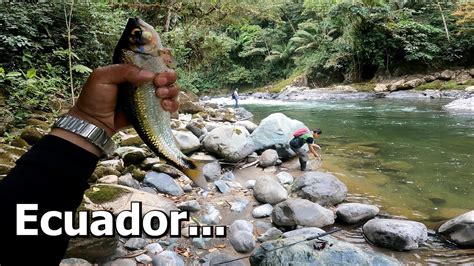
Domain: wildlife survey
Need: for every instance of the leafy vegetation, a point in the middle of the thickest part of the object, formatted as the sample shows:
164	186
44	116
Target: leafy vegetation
224	44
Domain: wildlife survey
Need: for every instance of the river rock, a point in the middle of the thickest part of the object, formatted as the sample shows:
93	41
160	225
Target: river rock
222	186
380	87
304	232
268	158
197	128
355	212
285	152
108	179
167	258
261	211
302	212
131	140
461	105
135	243
190	107
469	89
149	162
153	248
319	187
241	236
143	259
446	75
242	114
249	125
130	154
32	135
127	180
460	229
267	190
167	169
285	178
74	262
190	205
238	205
334	252
116	164
163	183
395	234
232	143
275	129
92	248
187	141
271	234
212	215
217	258
250	184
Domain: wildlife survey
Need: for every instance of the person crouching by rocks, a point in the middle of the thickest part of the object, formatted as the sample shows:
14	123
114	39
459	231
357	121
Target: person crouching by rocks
302	137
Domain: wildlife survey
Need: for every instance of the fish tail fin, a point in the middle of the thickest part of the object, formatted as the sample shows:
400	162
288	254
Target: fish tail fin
196	173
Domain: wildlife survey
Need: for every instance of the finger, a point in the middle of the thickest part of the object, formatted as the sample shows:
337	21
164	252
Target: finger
120	73
167	92
165	78
170	105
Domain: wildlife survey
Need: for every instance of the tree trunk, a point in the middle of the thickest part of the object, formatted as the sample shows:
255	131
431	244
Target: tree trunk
68	19
444	21
168	16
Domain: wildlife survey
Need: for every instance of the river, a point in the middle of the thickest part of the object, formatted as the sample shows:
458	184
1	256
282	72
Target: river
409	157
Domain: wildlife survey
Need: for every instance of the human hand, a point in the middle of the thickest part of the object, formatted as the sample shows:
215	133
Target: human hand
98	99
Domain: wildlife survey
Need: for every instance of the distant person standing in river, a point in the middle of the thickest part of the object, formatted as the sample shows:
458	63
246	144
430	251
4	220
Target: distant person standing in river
235	96
300	138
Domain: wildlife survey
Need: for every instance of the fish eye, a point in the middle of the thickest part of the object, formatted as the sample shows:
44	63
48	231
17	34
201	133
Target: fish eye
136	32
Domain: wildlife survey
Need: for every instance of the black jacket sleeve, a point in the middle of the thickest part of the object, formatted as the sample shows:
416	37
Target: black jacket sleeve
52	174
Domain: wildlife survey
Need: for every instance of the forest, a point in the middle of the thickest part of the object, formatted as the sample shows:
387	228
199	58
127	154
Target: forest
47	50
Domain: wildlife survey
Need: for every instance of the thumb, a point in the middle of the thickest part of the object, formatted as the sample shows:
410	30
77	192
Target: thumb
120	73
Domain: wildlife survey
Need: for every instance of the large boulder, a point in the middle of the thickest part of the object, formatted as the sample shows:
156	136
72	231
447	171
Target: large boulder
355	212
395	234
232	143
241	236
249	125
460	229
275	129
461	105
319	187
186	140
315	252
267	190
302	212
242	114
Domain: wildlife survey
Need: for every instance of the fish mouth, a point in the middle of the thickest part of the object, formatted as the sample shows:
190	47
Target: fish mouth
142	38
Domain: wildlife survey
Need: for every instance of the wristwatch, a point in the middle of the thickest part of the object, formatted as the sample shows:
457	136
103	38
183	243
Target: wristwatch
92	133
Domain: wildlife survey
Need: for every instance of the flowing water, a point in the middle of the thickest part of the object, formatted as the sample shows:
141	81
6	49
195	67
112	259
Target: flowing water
410	157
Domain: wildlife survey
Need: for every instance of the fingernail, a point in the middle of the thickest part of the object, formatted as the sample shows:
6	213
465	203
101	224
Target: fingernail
161	81
147	74
162	92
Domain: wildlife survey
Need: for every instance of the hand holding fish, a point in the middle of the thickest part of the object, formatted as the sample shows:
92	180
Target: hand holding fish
97	103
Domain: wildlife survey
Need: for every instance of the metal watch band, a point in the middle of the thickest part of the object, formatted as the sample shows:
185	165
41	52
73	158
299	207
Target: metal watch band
92	133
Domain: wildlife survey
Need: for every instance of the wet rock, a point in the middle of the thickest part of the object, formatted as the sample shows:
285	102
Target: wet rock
130	154
232	143
143	258
268	158
32	135
304	232
461	105
167	258
275	129
321	188
241	236
267	190
135	243
127	180
250	184
242	114
460	229
355	212
395	234
271	234
468	89
187	141
238	205
334	252
285	178
163	183
167	169
302	212
190	205
249	125
212	215
108	179
222	186
261	211
74	262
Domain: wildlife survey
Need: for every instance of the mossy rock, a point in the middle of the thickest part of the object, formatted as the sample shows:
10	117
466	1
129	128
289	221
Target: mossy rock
38	123
136	172
101	171
32	135
5	168
20	143
102	193
132	141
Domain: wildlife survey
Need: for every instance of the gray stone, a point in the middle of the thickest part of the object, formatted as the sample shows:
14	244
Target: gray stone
334	252
285	178
135	243
187	141
252	157
262	226
460	229
163	183
74	262
212	215
149	162
220	257
229	176
395	234
304	232
202	243
127	180
321	188
242	114
143	258
212	171
261	211
153	248
249	125
232	143
91	248
222	186
108	179
130	154
447	75
461	105
267	190
190	108
187	188
380	87
355	212
116	164
275	129
302	212
197	128
190	205
268	158
284	151
250	184
241	236
167	258
121	262
271	234
238	205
